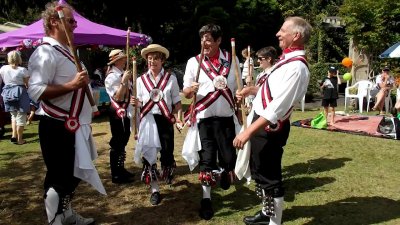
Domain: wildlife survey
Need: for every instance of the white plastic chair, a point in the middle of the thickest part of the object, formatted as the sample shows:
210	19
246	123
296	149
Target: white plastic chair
363	91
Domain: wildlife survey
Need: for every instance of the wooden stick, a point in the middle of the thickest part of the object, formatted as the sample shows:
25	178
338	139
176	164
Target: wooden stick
250	68
128	32
239	86
196	80
134	94
76	59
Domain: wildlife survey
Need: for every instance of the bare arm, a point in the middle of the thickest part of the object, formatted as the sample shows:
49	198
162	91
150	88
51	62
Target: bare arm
241	139
189	91
123	87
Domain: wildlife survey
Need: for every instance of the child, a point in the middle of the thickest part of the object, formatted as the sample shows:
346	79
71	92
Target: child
329	86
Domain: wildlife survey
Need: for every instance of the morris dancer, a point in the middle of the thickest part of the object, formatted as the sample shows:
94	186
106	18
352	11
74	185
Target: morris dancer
158	99
211	134
64	130
285	85
117	86
266	58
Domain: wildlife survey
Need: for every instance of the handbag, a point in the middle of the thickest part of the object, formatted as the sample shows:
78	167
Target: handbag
319	122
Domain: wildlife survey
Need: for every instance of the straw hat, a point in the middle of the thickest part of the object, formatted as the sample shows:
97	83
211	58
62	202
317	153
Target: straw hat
154	48
115	55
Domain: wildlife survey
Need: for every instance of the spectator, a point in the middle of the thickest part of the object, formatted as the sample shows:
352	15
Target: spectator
384	83
15	95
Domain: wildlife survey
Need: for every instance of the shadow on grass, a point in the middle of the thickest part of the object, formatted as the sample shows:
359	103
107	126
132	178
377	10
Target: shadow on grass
294	185
314	166
21	183
355	211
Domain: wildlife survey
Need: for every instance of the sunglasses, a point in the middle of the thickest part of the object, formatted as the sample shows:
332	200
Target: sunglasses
261	58
71	21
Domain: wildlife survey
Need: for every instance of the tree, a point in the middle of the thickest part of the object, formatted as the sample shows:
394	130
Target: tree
373	24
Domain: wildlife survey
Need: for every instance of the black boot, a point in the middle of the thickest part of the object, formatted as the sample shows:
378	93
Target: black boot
119	174
121	162
258	218
206	211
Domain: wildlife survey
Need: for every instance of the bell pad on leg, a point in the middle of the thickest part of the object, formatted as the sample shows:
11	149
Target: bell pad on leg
207	178
149	174
167	173
267	197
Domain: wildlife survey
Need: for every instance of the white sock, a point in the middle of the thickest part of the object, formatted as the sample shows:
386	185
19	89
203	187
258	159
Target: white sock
277	219
154	187
206	191
51	204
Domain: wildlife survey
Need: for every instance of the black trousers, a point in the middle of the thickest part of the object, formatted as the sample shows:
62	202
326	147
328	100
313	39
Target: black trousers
58	150
120	132
216	136
266	156
166	135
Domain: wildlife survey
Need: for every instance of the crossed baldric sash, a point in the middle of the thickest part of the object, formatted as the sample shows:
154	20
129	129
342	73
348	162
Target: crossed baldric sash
266	92
215	74
71	118
156	96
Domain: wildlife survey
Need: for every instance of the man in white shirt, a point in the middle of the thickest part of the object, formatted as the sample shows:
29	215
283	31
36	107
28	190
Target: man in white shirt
273	104
214	115
118	88
65	116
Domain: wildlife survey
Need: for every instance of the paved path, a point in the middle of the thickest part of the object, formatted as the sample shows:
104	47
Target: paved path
315	104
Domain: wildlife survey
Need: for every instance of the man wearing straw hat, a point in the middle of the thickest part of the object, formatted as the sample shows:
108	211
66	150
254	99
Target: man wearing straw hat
117	86
65	115
212	130
158	99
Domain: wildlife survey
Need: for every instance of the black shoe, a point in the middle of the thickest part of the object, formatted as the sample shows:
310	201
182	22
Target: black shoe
155	198
127	173
225	181
121	179
13	140
206	211
258	218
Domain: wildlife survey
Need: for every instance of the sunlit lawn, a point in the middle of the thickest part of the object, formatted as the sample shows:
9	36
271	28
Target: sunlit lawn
330	178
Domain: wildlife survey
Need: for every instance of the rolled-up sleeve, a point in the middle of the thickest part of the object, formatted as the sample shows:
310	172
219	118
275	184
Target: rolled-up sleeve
290	90
41	69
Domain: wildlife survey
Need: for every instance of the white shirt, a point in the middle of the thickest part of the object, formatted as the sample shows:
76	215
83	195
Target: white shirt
389	81
12	76
245	71
171	91
221	106
288	84
113	81
49	66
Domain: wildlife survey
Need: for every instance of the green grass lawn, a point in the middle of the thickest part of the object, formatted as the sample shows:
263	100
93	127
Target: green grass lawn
330	178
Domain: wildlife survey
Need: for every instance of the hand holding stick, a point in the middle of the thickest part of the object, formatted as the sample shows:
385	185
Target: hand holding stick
239	86
192	116
76	59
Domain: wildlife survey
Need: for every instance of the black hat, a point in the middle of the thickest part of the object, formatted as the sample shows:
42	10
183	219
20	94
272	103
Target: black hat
332	69
386	68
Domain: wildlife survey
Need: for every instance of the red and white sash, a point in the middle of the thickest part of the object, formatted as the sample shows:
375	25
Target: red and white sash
211	97
162	83
71	118
120	107
266	93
